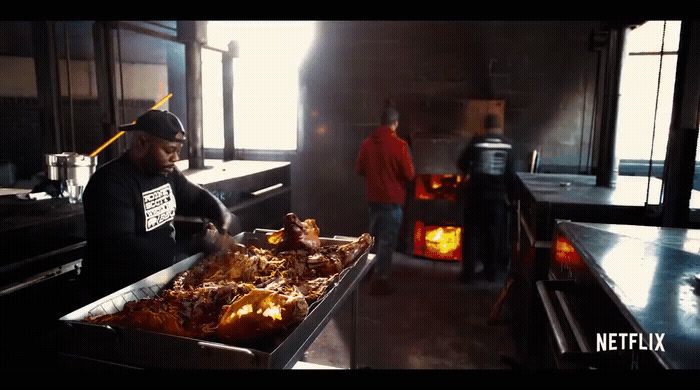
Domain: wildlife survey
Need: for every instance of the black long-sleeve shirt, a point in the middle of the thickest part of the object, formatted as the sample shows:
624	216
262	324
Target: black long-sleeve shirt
129	218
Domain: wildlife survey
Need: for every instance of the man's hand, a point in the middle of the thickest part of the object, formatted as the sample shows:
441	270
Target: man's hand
232	224
215	241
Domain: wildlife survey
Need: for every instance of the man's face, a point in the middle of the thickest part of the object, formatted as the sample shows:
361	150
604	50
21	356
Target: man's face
162	154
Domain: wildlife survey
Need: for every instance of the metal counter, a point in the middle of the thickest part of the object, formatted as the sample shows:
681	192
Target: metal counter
258	192
648	273
541	199
39	239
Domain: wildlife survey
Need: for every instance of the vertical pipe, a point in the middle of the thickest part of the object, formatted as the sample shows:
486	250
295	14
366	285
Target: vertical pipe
583	121
103	40
193	58
594	113
48	88
176	85
56	73
71	118
121	75
193	34
656	112
227	81
679	167
607	161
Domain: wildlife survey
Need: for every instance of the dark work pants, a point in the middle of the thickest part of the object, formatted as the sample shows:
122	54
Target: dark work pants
485	224
384	225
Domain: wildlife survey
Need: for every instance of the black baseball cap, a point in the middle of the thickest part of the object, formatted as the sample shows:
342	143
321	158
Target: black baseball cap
162	124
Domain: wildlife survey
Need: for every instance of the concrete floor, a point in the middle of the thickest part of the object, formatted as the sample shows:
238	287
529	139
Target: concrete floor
430	321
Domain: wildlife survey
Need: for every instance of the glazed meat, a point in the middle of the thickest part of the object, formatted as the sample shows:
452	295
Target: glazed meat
191	313
297	235
260	313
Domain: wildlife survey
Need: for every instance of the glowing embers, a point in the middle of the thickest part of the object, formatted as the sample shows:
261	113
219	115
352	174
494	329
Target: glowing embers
564	252
433	187
437	242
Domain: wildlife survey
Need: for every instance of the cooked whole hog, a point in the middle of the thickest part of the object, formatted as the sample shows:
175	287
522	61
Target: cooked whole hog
242	293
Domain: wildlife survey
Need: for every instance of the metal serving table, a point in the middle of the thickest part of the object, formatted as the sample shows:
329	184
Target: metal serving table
540	199
136	348
637	279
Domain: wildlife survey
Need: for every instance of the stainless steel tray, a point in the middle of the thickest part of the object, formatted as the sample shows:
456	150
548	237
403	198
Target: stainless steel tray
138	348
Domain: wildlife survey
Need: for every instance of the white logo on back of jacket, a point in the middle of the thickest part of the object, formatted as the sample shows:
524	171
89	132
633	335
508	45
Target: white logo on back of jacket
158	206
492	155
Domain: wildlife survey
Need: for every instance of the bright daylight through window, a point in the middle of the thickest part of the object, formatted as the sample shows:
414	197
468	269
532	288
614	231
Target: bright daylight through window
638	90
266	82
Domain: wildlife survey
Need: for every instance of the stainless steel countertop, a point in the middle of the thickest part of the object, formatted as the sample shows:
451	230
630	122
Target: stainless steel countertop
630	191
224	170
649	274
14	191
18	213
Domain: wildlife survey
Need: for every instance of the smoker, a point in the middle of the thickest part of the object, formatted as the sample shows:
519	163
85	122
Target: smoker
434	225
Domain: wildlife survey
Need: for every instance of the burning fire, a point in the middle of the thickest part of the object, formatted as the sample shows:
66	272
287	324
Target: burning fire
431	187
276	237
438	242
564	251
443	239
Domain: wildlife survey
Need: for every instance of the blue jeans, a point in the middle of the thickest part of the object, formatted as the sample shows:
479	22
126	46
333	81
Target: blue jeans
384	225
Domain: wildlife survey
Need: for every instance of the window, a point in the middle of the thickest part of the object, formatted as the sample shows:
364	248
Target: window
266	82
638	92
646	101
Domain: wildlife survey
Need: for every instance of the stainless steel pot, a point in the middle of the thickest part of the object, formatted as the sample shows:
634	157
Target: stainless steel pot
70	166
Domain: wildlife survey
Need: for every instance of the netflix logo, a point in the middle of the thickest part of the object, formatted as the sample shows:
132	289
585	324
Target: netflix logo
629	341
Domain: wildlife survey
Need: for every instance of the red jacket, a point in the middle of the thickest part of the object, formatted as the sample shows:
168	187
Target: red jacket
385	162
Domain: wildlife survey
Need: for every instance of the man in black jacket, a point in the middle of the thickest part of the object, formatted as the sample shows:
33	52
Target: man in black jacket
130	204
486	163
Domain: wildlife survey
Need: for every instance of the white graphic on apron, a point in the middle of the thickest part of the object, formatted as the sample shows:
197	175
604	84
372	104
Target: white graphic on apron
159	206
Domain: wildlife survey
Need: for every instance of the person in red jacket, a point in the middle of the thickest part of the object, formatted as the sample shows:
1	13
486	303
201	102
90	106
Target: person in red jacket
385	162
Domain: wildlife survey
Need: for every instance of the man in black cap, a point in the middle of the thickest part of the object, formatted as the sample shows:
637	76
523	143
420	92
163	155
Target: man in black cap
486	163
130	204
